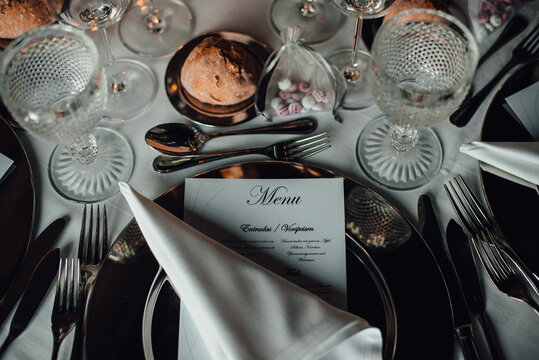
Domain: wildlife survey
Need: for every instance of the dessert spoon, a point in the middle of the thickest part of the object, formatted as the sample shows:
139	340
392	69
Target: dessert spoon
185	139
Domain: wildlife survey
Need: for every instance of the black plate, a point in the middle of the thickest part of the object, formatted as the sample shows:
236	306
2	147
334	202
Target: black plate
418	316
16	204
203	113
515	207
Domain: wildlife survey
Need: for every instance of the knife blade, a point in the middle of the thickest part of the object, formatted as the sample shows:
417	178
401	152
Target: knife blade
33	296
38	248
430	230
459	249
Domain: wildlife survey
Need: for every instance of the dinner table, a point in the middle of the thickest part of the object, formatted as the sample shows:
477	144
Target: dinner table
515	325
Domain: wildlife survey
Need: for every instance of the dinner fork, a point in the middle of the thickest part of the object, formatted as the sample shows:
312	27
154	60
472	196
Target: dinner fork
524	51
93	246
502	265
65	308
288	150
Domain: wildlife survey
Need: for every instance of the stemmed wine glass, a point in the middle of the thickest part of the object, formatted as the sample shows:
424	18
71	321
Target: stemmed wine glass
53	83
423	62
156	28
318	18
354	63
133	85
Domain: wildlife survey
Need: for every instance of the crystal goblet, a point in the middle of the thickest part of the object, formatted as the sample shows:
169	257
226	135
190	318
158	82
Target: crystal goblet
53	84
423	62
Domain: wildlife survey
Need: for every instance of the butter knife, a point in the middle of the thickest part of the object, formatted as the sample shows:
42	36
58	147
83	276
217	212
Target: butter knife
462	325
33	295
38	248
459	249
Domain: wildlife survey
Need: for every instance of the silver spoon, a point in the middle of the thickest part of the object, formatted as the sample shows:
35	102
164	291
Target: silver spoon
184	139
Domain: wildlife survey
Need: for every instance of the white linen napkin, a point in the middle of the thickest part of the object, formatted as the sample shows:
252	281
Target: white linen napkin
515	161
242	310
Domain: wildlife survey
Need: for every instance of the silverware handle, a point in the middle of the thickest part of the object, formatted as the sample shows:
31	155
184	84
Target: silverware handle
78	340
464	113
165	163
466	339
298	126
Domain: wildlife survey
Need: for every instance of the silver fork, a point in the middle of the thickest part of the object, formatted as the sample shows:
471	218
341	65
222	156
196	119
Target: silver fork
502	265
65	308
93	246
288	150
524	51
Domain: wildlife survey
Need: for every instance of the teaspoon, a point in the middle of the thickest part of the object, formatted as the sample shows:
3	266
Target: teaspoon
184	139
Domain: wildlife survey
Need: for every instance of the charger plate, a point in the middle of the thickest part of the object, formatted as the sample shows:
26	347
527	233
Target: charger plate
395	285
514	206
17	203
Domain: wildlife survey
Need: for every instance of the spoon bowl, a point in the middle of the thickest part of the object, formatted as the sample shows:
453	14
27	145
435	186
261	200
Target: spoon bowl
185	139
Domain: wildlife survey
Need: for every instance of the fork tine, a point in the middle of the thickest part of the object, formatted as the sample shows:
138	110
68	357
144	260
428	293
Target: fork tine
89	245
461	210
310	151
105	242
306	139
82	233
308	146
58	286
96	251
532	39
478	210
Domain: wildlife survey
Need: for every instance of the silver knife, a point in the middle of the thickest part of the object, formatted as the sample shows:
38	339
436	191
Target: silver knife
434	239
34	294
38	248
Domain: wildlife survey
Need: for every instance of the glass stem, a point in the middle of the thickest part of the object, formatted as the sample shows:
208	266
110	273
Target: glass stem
352	72
308	9
403	137
154	23
83	149
116	79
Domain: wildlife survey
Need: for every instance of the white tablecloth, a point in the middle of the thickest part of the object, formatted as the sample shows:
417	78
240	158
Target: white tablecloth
252	17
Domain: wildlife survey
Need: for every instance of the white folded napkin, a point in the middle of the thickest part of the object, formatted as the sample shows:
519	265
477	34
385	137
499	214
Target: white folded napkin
515	161
242	310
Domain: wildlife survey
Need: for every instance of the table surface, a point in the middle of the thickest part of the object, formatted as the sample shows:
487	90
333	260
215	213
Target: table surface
515	324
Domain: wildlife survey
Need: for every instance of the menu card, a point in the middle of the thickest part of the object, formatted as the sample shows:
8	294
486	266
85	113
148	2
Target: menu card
293	227
6	166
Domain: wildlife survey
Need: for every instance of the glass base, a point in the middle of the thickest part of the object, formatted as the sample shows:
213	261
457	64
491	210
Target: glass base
97	181
393	169
358	93
157	40
323	24
139	93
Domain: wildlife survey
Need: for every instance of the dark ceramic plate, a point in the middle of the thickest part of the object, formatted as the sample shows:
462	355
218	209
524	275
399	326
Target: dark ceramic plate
16	204
203	113
397	288
515	207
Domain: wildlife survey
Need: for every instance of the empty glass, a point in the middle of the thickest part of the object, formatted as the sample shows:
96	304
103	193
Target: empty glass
156	28
423	62
52	82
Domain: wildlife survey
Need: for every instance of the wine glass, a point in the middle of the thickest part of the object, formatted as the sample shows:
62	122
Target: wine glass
53	84
317	18
133	85
354	63
156	28
423	62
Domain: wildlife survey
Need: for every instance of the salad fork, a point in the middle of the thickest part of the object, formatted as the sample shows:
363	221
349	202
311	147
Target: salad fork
524	51
65	308
93	246
486	239
288	150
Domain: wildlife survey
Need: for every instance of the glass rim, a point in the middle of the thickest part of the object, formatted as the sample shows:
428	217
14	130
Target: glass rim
465	31
36	35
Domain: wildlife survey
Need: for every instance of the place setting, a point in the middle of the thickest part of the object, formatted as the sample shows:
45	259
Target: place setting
216	197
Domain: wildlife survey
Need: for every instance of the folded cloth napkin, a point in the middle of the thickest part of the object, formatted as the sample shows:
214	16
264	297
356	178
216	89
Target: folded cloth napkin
515	161
242	310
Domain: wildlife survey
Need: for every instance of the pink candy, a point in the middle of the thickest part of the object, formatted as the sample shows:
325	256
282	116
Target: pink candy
298	96
304	87
285	95
294	86
282	109
294	108
321	96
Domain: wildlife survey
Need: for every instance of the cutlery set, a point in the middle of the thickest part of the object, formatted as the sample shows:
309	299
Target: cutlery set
75	278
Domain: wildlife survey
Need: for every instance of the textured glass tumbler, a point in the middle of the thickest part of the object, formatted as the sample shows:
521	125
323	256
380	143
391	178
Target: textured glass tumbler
423	62
52	82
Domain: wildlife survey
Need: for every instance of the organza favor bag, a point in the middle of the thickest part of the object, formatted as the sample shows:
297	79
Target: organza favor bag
295	80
